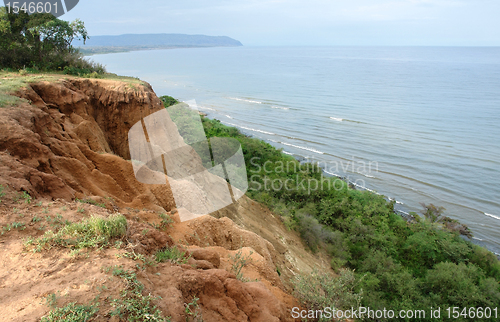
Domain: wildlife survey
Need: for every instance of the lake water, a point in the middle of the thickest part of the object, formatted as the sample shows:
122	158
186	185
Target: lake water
417	124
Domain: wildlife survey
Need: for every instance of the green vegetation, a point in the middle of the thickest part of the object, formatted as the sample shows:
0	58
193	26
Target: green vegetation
57	221
41	42
195	314
321	290
90	233
23	195
172	254
91	202
13	81
51	299
166	221
240	261
36	219
1	193
18	225
397	264
146	261
168	100
133	306
14	225
72	313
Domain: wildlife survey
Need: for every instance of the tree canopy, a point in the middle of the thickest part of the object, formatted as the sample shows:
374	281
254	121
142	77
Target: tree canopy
39	41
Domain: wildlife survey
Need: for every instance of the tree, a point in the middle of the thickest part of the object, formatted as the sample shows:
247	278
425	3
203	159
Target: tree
39	40
59	34
433	213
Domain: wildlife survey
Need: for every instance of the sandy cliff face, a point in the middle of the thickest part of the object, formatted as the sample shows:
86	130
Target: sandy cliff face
71	142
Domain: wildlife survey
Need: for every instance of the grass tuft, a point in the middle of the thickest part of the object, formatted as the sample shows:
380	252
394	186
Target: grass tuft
90	233
133	306
72	313
172	254
91	202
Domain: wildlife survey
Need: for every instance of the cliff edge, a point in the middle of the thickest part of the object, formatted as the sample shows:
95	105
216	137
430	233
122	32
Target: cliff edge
64	160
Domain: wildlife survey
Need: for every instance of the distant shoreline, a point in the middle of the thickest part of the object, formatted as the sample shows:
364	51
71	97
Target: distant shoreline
135	42
101	50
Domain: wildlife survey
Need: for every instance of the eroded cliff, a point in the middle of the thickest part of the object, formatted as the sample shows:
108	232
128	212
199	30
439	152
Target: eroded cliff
69	144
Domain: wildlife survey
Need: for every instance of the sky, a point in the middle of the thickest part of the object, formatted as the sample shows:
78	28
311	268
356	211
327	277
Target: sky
303	22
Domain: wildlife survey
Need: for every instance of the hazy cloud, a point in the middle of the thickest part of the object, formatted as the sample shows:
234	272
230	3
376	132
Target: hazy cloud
294	22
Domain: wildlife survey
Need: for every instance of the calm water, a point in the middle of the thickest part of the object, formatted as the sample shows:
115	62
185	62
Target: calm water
425	119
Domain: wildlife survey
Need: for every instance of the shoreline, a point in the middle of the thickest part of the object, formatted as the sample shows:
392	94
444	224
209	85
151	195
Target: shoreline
402	213
90	51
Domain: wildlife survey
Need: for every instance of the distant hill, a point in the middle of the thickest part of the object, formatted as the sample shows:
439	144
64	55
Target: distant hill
160	40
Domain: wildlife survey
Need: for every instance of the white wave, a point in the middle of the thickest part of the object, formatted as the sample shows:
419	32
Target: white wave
207	108
477	238
281	107
397	202
250	129
336	119
303	148
229	117
287	152
334	174
366	175
331	173
365	188
492	216
245	100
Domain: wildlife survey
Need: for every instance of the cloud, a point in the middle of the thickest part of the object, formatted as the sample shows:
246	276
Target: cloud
287	22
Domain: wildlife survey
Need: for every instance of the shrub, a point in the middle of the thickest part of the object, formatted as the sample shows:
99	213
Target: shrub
310	230
168	100
392	257
320	290
461	285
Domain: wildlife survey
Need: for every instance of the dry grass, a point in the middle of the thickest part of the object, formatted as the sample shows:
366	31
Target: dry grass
11	82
